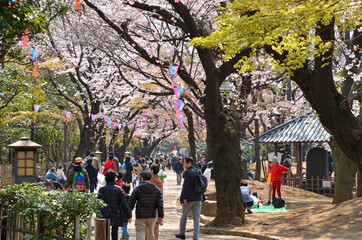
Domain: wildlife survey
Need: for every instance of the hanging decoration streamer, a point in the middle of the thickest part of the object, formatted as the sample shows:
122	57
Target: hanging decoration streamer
176	1
109	123
93	117
11	2
132	126
25	37
114	125
203	122
119	126
173	70
36	109
67	115
181	120
105	118
177	91
35	57
77	5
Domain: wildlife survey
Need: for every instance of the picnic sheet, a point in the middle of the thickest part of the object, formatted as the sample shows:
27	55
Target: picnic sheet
268	209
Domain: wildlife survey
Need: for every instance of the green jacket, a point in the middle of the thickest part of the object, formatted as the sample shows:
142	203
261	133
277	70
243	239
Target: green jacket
70	177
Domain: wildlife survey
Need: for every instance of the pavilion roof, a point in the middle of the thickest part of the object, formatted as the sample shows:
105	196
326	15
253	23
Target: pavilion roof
305	128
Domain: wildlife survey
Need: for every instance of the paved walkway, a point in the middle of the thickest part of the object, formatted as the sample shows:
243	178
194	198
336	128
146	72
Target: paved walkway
171	221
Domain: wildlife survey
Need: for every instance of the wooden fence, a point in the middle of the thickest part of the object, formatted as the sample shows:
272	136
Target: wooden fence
5	175
18	229
325	186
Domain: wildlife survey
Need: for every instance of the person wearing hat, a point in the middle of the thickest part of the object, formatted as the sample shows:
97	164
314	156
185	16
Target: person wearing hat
83	175
276	176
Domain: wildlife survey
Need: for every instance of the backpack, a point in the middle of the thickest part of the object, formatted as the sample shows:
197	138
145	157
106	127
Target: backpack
123	168
144	167
200	183
278	203
286	163
78	181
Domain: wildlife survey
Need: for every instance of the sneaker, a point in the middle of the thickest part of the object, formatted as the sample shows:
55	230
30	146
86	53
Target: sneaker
268	203
180	236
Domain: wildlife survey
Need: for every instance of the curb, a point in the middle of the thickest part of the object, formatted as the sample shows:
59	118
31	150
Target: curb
217	231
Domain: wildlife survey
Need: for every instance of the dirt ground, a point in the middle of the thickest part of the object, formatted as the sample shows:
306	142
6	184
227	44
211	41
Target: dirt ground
311	216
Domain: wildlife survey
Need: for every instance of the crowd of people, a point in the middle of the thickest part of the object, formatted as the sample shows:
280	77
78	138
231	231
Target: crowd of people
146	178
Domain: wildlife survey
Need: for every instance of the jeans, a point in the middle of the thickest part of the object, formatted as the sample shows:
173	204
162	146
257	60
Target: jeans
196	211
179	176
124	230
114	233
145	228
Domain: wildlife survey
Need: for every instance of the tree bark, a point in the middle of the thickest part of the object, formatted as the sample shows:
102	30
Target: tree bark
345	172
359	184
257	150
191	133
103	146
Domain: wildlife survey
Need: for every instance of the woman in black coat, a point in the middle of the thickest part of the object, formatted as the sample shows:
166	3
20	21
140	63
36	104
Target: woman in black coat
117	209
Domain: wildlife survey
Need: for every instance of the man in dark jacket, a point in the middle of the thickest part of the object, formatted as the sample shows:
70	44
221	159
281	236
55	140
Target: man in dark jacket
77	184
149	199
127	177
190	200
117	208
179	169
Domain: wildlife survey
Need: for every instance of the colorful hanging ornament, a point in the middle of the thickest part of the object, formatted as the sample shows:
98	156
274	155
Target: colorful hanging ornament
114	126
35	57
36	109
144	112
119	126
176	1
177	91
67	115
25	37
77	5
93	117
105	118
138	121
203	122
109	122
173	70
181	120
12	3
144	118
132	125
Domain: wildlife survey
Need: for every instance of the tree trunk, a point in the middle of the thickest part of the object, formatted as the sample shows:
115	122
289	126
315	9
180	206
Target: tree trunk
359	184
103	146
191	133
257	150
344	172
223	147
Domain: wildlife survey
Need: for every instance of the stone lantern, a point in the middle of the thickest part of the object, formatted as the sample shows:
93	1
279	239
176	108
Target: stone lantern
98	155
23	158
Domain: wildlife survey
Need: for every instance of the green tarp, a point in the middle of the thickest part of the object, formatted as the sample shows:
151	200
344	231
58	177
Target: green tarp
267	209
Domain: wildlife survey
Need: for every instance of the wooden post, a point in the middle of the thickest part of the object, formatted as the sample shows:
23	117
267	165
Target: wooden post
17	226
276	149
102	229
77	227
89	228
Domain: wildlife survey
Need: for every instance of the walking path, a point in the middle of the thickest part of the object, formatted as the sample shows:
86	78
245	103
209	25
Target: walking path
170	225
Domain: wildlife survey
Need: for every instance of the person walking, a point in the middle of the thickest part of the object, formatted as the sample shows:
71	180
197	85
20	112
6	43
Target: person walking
190	200
115	160
92	173
179	169
117	208
142	166
276	176
158	182
149	199
127	177
78	178
109	165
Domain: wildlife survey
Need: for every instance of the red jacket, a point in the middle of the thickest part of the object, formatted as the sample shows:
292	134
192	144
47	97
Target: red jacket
277	171
108	165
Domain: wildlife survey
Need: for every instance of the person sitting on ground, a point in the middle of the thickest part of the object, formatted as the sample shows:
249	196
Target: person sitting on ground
276	176
246	196
62	179
53	177
117	206
158	182
149	199
92	174
78	178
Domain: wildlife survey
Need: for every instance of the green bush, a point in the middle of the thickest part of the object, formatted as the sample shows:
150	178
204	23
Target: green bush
56	210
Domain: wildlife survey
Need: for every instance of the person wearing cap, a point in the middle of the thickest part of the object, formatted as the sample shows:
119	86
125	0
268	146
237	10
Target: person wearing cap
276	176
77	168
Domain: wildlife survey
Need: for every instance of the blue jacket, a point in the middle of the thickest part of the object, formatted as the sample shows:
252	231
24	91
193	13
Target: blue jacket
92	173
188	186
246	194
51	176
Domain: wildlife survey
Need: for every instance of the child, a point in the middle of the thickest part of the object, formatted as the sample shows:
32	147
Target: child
119	179
276	176
246	196
268	181
126	189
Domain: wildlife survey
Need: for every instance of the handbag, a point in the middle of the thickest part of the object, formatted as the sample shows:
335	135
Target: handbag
162	173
